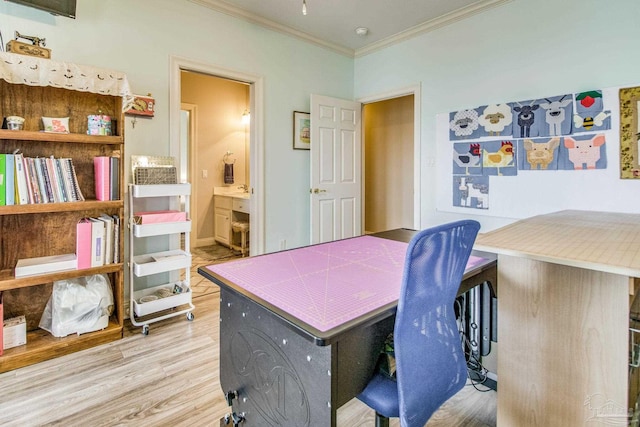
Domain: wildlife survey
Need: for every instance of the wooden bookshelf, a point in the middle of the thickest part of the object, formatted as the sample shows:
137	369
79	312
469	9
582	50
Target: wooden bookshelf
35	230
60	207
25	135
41	345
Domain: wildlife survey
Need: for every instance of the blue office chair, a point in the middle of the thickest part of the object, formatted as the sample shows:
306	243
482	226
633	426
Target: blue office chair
430	363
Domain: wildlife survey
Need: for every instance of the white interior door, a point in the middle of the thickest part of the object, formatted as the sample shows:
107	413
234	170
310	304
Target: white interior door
336	169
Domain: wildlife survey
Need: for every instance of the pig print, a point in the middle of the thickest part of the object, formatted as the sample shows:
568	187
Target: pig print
584	154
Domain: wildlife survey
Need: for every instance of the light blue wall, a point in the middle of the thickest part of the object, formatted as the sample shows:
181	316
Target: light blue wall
138	37
521	50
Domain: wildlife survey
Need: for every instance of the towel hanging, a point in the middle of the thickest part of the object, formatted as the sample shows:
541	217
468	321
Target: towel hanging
228	167
228	173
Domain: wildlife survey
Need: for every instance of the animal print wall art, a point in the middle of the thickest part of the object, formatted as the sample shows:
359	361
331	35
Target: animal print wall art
563	132
471	192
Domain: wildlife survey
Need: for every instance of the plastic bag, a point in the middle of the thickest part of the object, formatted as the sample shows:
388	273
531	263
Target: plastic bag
78	305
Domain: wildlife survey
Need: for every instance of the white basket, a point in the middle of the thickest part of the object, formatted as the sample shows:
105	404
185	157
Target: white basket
164	303
161	228
160	262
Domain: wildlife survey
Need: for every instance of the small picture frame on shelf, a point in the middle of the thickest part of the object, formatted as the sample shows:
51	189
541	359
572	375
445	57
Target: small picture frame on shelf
301	131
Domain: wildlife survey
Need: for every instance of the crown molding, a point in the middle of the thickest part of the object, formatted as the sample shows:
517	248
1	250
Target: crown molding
450	18
434	24
236	12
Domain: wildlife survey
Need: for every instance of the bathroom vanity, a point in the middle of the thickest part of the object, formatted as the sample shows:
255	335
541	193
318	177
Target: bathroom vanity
230	204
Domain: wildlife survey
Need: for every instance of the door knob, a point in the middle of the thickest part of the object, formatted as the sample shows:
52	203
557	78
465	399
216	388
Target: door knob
317	190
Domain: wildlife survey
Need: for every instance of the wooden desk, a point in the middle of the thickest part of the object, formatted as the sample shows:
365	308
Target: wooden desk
563	309
301	330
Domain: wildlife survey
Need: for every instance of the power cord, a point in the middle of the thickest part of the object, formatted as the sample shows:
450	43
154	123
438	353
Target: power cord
474	366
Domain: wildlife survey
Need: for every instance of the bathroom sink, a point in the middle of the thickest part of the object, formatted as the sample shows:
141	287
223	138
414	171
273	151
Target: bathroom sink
231	192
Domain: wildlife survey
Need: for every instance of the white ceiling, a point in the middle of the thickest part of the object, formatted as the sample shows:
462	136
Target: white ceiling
332	23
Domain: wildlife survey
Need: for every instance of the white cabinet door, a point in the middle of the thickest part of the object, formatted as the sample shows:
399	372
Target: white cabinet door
222	219
222	225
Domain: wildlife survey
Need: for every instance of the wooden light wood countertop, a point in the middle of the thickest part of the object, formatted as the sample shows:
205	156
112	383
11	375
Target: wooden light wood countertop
600	241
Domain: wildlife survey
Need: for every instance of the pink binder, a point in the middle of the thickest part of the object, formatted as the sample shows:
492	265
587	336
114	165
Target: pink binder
101	170
1	326
83	243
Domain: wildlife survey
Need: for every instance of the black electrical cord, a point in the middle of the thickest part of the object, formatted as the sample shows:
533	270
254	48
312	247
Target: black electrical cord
474	366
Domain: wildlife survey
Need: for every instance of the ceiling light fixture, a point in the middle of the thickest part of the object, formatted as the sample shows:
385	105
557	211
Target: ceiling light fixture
304	7
362	31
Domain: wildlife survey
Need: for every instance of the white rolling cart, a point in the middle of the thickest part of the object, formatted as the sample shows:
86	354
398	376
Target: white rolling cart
170	299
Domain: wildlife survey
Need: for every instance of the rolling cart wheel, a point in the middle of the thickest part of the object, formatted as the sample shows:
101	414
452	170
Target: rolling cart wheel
145	330
190	316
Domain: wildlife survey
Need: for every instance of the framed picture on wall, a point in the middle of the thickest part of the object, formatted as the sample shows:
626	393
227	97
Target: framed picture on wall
141	106
630	133
301	131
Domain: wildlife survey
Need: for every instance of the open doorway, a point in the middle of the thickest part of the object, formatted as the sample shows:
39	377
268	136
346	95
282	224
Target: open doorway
391	161
218	112
216	127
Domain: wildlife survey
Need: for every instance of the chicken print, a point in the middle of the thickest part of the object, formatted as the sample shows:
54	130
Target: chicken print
502	158
467	159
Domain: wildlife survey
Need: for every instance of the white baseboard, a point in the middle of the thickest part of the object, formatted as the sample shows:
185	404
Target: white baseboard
208	241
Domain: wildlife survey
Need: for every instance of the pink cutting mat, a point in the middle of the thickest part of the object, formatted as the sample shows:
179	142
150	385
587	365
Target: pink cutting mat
325	285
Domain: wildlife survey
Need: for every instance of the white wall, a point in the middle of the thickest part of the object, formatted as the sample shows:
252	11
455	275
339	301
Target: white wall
521	50
138	37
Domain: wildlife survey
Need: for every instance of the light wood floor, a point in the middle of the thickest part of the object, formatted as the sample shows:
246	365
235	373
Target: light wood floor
168	378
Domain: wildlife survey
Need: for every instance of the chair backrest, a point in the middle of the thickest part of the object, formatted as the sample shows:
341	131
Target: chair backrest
430	363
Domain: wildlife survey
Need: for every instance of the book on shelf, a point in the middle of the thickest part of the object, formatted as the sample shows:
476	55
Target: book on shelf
108	237
46	264
114	178
10	193
83	243
116	239
22	193
67	180
27	172
61	180
77	194
3	179
101	175
97	242
1	322
43	180
55	185
70	180
33	179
